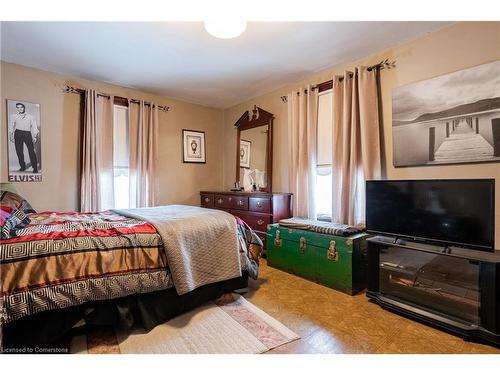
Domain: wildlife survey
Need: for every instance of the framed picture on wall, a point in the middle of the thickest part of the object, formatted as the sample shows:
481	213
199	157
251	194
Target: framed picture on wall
193	146
24	149
245	149
449	119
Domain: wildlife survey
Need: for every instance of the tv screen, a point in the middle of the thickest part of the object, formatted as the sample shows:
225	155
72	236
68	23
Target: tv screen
452	212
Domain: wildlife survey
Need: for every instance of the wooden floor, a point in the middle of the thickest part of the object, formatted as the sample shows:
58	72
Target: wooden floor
333	322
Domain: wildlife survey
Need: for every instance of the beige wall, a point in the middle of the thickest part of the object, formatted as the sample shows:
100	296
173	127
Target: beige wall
59	189
453	48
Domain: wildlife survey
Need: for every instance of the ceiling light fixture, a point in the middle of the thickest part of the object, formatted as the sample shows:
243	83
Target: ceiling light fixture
225	29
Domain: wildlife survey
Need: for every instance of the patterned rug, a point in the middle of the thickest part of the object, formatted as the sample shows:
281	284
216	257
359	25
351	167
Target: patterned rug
231	325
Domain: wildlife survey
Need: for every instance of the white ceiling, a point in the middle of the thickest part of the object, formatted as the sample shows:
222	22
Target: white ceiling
182	61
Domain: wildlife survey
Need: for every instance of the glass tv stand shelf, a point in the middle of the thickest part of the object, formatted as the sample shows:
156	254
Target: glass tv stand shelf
452	288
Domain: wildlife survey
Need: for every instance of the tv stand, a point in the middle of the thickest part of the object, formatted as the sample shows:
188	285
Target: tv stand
455	289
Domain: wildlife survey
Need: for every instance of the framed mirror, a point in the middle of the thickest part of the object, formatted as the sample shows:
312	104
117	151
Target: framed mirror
254	150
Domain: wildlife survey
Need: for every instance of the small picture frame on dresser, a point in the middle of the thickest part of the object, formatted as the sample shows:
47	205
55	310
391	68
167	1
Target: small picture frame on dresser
193	146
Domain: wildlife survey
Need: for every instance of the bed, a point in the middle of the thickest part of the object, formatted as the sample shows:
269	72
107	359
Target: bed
123	268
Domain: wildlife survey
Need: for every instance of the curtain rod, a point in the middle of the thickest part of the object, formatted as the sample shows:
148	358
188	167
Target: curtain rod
385	64
76	90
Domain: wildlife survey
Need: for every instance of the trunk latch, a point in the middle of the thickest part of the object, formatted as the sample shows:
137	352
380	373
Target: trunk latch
277	239
332	253
303	245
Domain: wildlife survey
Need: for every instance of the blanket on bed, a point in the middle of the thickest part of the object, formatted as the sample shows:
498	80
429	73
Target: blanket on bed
201	245
67	259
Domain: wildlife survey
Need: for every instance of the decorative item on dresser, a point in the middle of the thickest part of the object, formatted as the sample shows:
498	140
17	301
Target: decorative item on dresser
257	209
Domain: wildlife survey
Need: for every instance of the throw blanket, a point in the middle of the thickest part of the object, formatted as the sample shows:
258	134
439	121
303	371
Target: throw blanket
201	245
335	229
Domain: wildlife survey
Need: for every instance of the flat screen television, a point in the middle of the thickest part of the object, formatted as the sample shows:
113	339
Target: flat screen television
448	212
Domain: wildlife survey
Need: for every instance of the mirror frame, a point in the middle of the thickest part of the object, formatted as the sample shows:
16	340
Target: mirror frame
259	118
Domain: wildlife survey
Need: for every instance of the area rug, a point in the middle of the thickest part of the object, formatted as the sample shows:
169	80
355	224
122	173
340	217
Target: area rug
230	325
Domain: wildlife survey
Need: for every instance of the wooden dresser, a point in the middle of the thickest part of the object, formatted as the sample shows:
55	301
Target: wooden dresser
256	209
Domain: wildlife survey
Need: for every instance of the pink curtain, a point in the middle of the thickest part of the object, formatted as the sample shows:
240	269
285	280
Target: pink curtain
302	125
96	180
356	143
143	149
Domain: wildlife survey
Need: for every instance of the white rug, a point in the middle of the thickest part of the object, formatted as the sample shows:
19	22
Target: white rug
232	325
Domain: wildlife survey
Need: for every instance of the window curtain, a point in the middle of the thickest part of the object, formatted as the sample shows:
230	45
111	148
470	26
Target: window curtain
143	149
302	125
356	143
96	182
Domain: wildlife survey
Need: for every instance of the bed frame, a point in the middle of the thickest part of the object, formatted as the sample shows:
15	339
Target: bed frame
51	329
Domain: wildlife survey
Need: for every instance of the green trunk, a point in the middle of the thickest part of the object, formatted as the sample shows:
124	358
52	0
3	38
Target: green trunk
334	261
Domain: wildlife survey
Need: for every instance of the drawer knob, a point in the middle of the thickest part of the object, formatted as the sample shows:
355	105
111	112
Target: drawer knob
229	199
260	222
220	201
240	203
207	200
259	205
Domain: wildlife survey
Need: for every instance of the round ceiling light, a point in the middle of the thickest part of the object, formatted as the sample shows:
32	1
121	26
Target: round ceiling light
225	29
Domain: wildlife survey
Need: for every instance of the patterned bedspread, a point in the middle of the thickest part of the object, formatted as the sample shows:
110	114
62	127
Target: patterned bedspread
66	259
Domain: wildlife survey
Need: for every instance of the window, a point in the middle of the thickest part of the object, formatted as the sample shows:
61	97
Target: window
120	157
325	117
324	156
324	192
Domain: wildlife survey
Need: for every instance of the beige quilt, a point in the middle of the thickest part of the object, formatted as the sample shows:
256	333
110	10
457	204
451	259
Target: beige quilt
201	244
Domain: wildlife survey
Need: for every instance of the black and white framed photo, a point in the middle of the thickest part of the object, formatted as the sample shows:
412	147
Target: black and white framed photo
24	151
245	148
450	119
193	146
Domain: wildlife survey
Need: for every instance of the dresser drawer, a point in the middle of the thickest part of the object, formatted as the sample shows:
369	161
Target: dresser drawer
207	200
257	204
257	222
239	202
223	201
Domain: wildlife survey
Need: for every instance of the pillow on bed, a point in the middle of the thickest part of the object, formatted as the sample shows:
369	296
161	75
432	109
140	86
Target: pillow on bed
11	219
14	200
